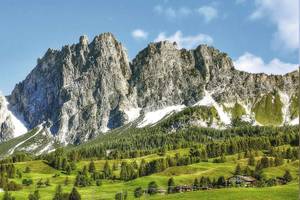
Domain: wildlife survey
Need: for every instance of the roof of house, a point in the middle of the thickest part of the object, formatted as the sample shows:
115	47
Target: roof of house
244	178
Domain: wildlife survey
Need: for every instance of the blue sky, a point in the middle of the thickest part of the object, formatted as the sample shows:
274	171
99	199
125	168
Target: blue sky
254	34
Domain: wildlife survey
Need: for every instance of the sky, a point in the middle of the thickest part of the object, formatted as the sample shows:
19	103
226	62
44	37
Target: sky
259	35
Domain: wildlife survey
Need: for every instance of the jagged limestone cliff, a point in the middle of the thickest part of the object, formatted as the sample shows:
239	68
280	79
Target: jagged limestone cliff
88	88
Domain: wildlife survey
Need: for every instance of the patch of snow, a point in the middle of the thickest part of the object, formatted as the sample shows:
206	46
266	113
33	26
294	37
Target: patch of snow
47	149
31	147
294	121
155	116
285	99
104	129
17	121
209	101
12	150
132	114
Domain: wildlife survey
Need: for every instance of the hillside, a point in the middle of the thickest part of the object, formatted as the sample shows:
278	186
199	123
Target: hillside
183	175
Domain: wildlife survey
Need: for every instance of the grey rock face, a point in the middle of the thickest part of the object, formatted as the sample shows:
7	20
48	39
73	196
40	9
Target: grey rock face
88	87
79	90
6	125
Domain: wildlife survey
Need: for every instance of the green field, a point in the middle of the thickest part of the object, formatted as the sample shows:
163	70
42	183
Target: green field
181	174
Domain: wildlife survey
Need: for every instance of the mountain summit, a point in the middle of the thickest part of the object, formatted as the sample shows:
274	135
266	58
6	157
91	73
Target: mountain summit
90	88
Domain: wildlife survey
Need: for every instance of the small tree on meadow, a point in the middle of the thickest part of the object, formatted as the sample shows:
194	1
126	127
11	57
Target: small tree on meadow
287	176
171	185
74	195
58	193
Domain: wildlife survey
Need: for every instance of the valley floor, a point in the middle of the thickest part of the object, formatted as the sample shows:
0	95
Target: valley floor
181	174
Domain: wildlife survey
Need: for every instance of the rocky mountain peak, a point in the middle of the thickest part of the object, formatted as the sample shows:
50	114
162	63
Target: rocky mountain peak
91	87
84	40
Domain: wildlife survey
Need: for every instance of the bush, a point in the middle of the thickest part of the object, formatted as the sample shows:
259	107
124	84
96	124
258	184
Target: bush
98	182
27	182
152	188
138	192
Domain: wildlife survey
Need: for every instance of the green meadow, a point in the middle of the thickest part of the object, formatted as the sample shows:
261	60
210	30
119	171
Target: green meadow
181	174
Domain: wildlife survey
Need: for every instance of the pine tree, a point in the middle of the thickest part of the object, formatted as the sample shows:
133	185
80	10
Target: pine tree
92	167
171	185
107	170
287	176
74	195
221	181
152	188
27	170
34	196
196	184
143	168
264	162
278	161
8	196
238	170
68	169
58	193
251	160
66	182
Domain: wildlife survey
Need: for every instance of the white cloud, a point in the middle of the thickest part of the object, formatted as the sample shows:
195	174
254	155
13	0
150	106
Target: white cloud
171	12
208	12
139	34
284	14
254	64
185	41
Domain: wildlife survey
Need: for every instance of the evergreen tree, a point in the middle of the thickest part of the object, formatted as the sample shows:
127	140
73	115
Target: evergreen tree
66	182
238	170
92	167
68	169
107	170
152	188
221	181
74	195
27	170
171	185
287	176
203	155
196	184
251	160
278	161
58	193
248	171
138	192
47	182
34	196
8	196
143	168
264	162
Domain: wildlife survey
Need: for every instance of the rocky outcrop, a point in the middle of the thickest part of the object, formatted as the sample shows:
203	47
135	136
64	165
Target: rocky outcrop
88	88
78	90
10	124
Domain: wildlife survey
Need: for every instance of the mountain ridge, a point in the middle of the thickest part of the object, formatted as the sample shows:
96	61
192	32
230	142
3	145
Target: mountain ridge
86	87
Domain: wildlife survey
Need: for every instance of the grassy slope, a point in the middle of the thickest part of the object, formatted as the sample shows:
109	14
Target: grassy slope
269	193
6	146
268	110
181	174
